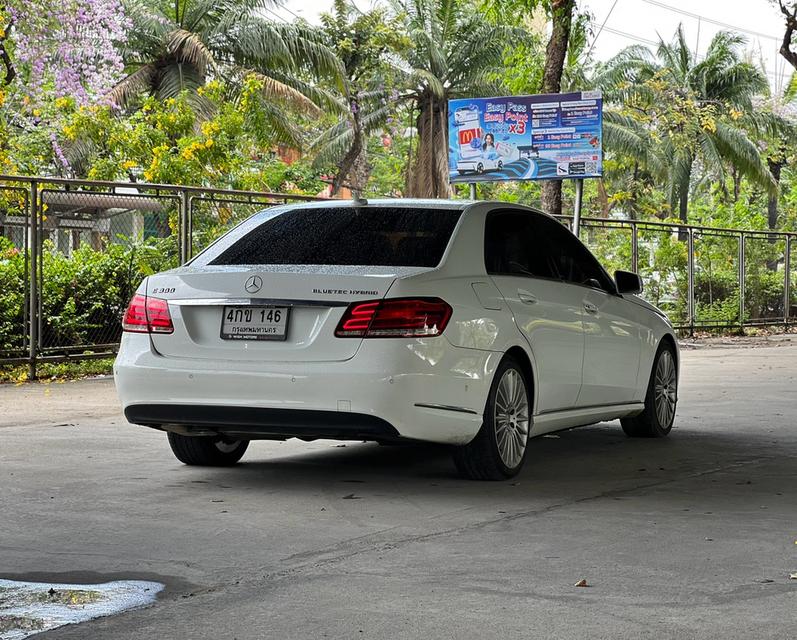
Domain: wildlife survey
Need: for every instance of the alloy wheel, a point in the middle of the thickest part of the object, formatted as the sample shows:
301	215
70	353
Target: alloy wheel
511	418
665	387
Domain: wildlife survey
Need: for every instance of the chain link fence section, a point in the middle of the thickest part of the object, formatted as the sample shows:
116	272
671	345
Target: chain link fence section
703	277
95	247
14	272
717	290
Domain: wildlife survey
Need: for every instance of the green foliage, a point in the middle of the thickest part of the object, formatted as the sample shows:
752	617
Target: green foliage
59	371
83	296
162	142
12	296
670	111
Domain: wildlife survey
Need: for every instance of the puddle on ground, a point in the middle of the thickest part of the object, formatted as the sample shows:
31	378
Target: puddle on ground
27	608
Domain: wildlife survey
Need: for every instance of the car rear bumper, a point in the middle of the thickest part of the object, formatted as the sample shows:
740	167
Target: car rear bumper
416	389
261	422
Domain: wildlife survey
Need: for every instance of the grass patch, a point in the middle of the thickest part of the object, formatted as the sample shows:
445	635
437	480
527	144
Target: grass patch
67	370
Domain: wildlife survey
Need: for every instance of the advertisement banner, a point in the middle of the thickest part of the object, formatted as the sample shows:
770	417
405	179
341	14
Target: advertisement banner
543	137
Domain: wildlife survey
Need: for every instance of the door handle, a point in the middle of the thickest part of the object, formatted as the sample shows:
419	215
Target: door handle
526	297
590	308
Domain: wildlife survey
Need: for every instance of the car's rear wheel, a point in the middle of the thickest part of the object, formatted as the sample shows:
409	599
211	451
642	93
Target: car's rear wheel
207	451
660	401
499	449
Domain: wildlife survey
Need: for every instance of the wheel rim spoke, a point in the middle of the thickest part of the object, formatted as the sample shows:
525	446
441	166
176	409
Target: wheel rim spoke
511	418
665	386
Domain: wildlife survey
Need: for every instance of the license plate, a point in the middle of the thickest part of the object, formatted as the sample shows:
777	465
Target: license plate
254	323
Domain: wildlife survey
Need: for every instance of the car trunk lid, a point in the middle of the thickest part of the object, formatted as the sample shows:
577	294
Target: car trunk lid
314	296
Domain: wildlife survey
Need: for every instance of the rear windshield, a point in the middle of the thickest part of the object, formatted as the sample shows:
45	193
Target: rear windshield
384	236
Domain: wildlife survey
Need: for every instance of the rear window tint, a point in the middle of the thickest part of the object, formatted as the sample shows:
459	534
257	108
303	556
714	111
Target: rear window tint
383	236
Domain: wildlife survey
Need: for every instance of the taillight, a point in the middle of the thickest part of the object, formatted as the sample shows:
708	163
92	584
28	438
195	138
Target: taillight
394	318
147	315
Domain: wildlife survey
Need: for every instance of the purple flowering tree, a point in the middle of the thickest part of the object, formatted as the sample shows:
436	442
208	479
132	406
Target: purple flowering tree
68	48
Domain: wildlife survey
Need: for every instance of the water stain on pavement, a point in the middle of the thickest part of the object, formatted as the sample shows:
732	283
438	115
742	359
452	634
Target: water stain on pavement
27	608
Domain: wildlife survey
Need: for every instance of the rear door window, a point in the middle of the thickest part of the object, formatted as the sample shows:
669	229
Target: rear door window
370	236
525	243
514	245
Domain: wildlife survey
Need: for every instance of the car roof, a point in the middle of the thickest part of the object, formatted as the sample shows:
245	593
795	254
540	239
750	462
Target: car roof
415	203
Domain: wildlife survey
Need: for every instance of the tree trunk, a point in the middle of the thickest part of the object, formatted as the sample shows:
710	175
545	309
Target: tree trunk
775	167
683	201
737	184
353	168
603	198
429	176
555	52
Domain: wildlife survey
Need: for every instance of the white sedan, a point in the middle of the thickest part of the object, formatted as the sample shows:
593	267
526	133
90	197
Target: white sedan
475	324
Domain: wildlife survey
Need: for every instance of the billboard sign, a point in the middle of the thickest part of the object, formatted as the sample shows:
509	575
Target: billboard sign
543	137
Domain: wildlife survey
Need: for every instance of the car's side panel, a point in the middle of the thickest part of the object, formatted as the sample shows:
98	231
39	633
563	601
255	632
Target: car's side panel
613	328
654	328
549	315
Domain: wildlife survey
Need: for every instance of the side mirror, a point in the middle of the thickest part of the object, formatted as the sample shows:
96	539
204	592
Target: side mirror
628	282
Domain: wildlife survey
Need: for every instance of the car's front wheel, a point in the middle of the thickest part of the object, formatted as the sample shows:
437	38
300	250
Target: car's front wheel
499	449
207	451
660	401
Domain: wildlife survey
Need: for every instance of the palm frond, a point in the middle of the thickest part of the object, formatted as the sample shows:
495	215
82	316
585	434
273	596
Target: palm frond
626	136
277	91
142	80
189	47
733	144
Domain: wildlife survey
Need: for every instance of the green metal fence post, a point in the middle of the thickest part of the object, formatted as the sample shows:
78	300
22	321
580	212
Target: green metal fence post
33	289
690	303
742	272
787	282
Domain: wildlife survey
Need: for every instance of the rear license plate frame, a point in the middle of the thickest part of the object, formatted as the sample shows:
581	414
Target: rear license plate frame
263	337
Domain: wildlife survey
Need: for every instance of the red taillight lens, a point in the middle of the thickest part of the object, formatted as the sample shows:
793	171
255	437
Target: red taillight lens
147	315
136	315
395	318
160	321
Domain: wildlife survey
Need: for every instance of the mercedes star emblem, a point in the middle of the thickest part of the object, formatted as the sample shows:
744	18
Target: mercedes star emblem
253	284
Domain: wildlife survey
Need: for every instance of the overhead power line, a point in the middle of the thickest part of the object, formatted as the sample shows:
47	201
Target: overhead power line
777	77
630	36
603	24
719	23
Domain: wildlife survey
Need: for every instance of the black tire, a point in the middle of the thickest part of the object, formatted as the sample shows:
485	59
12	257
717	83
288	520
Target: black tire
654	422
207	451
481	458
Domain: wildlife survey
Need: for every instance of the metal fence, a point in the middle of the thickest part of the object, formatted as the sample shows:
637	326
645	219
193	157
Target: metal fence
72	252
703	277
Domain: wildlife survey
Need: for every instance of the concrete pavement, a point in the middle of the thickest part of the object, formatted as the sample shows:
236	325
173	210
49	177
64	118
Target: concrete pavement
692	536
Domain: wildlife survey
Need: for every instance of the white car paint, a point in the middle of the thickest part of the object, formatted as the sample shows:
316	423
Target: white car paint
586	366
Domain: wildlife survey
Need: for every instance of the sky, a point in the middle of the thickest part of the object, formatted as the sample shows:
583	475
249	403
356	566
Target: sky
643	21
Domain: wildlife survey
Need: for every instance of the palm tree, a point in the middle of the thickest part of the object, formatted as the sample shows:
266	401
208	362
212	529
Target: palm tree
679	110
779	107
456	53
177	46
361	40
